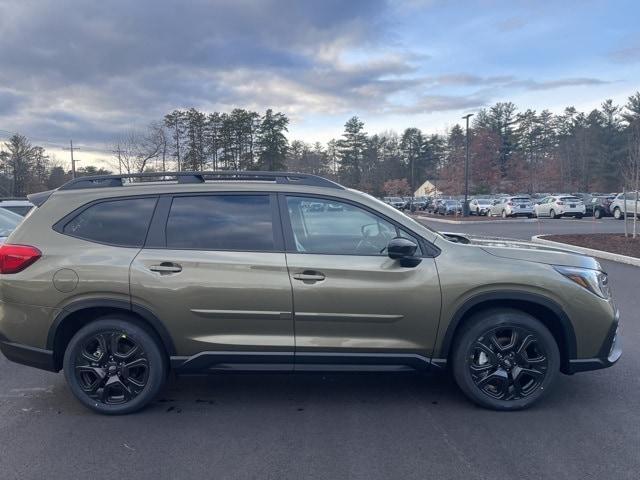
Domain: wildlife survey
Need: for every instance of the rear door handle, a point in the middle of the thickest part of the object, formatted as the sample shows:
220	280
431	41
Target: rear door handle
309	276
166	267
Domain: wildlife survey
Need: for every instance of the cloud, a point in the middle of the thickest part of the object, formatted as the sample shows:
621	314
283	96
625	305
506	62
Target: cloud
626	55
510	24
559	83
9	101
441	103
118	63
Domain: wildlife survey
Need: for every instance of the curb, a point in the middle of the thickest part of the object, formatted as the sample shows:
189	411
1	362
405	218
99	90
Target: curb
615	257
476	222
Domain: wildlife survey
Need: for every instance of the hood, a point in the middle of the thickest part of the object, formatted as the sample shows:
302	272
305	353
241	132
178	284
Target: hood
527	251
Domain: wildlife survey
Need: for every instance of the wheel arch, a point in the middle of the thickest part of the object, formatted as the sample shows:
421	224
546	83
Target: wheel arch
542	308
80	313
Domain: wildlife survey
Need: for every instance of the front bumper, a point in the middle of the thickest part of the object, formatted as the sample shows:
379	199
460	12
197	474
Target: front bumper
31	356
609	354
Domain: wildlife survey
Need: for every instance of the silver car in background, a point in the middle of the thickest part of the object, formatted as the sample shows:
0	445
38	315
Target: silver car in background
480	206
556	206
512	207
625	202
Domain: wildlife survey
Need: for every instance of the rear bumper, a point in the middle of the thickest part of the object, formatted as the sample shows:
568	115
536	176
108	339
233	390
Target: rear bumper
31	356
609	354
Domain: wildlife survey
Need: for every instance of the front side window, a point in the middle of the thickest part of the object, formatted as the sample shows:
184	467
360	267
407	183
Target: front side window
339	228
221	222
116	222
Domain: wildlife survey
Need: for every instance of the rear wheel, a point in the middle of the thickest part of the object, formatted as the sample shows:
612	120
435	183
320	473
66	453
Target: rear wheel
114	366
552	214
597	214
505	359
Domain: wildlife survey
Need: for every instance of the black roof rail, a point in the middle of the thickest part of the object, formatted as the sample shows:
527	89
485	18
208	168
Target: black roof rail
105	181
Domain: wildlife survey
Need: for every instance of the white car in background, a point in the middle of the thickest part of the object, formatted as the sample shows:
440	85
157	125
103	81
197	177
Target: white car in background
512	207
21	207
556	206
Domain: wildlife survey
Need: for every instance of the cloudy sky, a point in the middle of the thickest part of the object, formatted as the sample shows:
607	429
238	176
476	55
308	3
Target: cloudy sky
91	70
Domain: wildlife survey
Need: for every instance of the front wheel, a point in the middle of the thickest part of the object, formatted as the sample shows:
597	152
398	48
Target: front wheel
113	366
505	359
617	214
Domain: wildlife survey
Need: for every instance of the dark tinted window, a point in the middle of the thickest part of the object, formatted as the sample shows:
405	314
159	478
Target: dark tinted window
117	222
221	222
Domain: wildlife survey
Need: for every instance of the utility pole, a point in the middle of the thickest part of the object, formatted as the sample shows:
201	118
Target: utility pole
465	207
73	162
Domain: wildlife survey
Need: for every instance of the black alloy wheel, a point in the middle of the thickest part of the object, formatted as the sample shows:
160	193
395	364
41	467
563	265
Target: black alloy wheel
505	359
508	363
112	368
115	365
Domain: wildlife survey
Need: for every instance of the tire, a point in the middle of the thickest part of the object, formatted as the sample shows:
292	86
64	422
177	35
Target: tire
579	216
504	214
617	214
597	214
512	383
117	341
552	214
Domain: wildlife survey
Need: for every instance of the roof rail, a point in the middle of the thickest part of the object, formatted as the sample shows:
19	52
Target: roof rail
105	181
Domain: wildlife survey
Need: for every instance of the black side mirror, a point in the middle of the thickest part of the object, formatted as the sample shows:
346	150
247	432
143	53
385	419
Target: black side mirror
404	250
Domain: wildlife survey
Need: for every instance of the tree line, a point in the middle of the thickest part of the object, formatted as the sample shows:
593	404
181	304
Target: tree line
509	151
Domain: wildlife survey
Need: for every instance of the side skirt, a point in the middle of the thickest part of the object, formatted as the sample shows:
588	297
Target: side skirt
303	362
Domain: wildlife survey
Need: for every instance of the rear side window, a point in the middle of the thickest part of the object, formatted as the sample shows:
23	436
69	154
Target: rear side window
116	222
221	222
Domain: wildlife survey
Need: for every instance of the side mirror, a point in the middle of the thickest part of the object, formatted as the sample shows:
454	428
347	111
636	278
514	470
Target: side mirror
404	250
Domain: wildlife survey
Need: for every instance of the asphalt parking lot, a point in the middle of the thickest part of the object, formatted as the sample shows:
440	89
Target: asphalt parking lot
338	426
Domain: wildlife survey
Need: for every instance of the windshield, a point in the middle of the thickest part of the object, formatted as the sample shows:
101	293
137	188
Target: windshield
396	199
483	201
570	199
520	199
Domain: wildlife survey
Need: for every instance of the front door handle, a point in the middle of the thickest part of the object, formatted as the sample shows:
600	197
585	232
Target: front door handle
309	276
166	268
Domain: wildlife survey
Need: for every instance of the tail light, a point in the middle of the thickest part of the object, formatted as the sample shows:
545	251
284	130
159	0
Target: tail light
510	204
15	258
559	203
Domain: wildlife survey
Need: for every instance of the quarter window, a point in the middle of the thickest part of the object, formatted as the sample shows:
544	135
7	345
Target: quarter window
221	222
117	222
329	227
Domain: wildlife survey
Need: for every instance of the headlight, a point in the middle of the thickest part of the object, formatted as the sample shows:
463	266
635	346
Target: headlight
593	280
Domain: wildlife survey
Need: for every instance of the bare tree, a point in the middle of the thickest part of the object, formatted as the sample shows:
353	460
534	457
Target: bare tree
134	150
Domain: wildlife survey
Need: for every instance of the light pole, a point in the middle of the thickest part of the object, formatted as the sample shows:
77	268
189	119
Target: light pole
465	206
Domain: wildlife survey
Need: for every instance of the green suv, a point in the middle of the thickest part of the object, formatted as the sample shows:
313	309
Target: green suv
119	280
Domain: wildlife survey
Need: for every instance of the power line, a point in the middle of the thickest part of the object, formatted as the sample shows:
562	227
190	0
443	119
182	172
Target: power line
90	148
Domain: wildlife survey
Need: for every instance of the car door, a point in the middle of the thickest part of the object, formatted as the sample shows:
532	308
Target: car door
213	270
351	301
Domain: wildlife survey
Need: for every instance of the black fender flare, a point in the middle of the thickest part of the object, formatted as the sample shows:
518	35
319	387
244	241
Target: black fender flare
143	312
565	323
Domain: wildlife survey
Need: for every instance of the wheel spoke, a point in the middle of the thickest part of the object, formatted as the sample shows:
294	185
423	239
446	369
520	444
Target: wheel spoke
495	384
115	386
486	354
120	341
90	377
140	365
505	347
96	349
